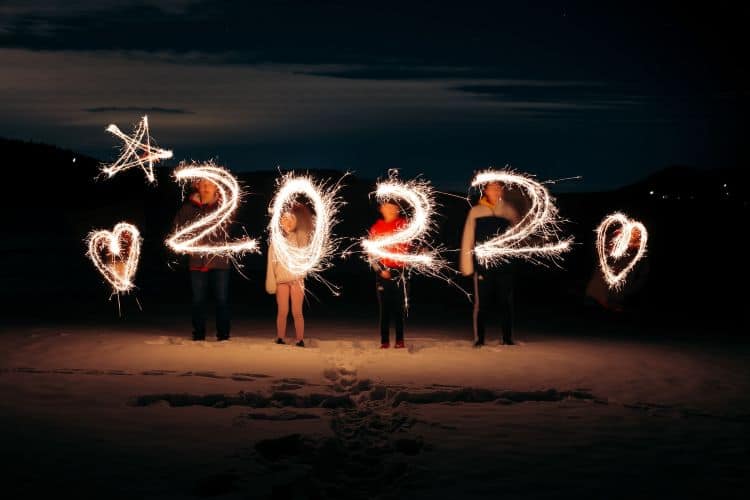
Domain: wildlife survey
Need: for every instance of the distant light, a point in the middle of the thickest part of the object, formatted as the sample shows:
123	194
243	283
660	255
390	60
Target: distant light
74	159
651	193
725	185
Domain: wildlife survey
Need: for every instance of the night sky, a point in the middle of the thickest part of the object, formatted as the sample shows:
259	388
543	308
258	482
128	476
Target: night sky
610	92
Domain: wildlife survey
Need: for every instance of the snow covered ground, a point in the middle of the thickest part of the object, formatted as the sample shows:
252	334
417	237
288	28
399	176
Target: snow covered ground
142	412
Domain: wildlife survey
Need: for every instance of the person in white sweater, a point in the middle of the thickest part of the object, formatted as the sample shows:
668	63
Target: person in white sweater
288	287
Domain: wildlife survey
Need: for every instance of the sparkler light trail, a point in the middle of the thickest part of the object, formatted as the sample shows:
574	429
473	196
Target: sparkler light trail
137	151
541	223
190	238
115	254
419	196
314	257
629	231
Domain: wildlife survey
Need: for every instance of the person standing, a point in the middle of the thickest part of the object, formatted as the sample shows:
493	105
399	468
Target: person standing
493	286
280	281
207	271
390	281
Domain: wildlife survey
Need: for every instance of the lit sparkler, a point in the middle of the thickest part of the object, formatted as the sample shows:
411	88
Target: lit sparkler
190	238
541	223
137	151
115	254
313	257
419	196
629	232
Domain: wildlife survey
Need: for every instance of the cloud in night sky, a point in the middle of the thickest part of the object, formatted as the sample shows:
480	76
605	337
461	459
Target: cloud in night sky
609	92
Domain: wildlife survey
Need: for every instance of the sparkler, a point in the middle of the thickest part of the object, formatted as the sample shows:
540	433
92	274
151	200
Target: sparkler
122	247
541	223
419	195
137	151
620	245
314	257
189	239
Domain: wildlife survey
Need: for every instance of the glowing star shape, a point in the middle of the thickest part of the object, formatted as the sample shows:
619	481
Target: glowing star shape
313	257
115	254
137	151
540	224
190	238
631	235
419	196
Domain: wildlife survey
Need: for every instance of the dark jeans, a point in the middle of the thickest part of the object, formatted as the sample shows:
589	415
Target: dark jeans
391	301
493	291
200	281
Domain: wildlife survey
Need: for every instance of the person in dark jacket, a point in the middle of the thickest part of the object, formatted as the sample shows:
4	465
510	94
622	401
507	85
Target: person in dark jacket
390	281
207	271
493	287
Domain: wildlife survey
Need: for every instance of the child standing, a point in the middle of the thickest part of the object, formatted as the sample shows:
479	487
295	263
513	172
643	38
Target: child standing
296	225
390	280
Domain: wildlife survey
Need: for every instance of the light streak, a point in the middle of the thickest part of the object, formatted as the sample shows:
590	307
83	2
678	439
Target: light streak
419	196
313	257
115	254
537	234
189	239
137	151
619	246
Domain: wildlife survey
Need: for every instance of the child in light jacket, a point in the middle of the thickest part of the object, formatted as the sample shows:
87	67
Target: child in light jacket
288	287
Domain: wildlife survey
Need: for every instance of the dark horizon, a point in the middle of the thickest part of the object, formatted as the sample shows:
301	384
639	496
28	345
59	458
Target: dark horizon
671	179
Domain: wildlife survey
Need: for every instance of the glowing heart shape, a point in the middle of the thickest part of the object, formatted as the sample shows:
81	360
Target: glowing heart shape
619	246
115	254
540	223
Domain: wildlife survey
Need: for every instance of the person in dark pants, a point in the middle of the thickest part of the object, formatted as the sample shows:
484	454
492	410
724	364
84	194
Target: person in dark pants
390	280
218	281
493	287
207	272
493	292
391	300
